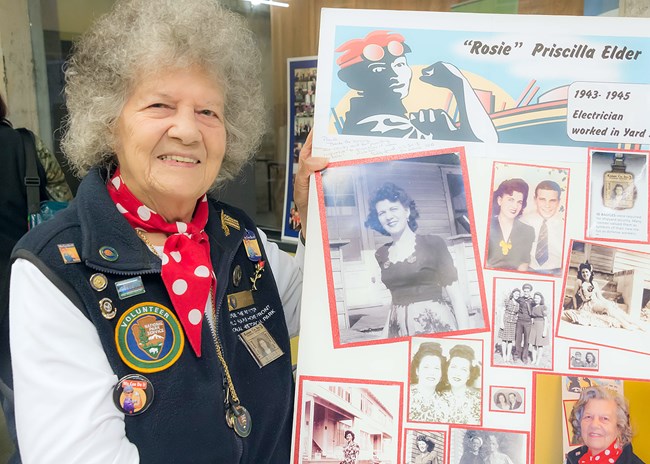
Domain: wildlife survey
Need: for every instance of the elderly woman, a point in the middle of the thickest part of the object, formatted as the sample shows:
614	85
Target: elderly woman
510	240
145	284
601	422
417	269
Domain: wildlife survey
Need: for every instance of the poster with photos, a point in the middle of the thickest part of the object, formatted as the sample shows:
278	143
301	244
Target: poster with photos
492	152
300	120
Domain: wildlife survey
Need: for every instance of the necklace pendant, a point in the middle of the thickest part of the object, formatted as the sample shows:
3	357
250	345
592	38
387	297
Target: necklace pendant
505	247
239	419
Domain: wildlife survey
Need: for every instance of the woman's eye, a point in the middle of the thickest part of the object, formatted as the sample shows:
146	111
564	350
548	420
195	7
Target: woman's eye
208	113
378	69
158	105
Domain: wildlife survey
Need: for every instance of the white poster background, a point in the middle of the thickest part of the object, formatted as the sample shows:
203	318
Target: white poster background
447	35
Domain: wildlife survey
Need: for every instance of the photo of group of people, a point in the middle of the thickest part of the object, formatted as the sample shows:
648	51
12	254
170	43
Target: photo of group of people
473	446
402	255
523	323
445	379
527	218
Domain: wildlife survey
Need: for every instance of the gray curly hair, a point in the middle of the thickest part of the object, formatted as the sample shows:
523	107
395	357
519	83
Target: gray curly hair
140	37
601	393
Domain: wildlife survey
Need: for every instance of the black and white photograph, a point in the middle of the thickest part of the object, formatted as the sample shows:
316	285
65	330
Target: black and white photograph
424	447
400	248
617	200
583	358
603	297
348	421
523	323
487	446
445	377
527	218
508	399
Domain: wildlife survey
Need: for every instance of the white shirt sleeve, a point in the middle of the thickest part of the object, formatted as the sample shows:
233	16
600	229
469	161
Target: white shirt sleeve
287	271
63	381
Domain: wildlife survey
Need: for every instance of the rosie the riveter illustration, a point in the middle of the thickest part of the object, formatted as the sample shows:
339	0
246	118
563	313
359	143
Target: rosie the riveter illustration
376	67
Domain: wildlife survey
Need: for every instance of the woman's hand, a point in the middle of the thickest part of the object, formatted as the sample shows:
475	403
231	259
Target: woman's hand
307	165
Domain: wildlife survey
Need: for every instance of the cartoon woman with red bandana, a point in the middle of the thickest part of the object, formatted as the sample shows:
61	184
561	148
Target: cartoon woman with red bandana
376	68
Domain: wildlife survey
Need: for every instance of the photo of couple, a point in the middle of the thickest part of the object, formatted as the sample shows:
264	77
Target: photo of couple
527	219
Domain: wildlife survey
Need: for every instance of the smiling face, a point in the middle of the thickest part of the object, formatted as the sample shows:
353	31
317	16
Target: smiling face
429	371
598	424
516	294
171	139
510	204
585	274
548	202
538	299
512	398
393	216
422	446
458	371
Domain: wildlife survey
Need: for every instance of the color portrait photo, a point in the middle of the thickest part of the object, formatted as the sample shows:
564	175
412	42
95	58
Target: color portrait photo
527	218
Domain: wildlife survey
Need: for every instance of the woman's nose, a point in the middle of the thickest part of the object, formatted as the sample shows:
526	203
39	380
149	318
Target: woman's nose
184	126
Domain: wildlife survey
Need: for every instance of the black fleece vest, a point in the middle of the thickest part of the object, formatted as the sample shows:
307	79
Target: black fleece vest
186	420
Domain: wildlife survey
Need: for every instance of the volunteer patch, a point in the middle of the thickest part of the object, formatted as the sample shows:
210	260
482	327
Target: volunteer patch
149	337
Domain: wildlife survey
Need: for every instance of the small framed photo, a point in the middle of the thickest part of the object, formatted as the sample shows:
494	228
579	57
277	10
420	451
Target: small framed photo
261	345
617	195
508	399
523	317
424	446
583	358
488	445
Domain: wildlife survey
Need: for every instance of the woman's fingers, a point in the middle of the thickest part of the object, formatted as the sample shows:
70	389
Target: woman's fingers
307	165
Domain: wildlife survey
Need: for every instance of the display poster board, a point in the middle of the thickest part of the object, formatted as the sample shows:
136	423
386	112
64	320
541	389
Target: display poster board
483	218
301	76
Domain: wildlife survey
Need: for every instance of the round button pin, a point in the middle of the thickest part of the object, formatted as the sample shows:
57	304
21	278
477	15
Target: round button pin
108	253
107	308
98	281
133	394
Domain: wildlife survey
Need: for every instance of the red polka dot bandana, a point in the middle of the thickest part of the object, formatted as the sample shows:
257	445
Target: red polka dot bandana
607	456
186	267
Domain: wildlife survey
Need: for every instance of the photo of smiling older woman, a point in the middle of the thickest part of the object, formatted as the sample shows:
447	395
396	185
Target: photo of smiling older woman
163	99
401	253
